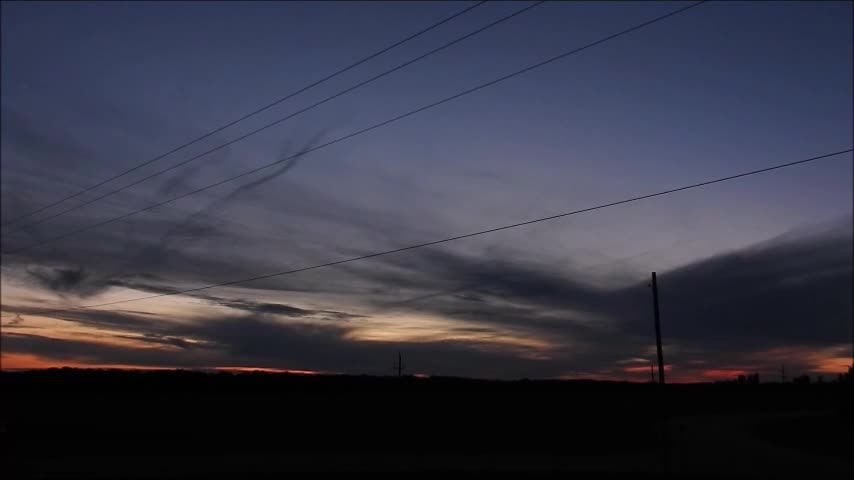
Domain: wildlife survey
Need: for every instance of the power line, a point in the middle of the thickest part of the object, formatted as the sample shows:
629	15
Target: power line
368	129
288	117
458	237
251	114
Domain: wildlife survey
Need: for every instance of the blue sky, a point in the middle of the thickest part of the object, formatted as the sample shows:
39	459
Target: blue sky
90	89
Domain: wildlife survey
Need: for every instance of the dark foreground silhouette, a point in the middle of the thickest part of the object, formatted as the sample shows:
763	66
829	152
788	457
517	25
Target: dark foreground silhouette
175	424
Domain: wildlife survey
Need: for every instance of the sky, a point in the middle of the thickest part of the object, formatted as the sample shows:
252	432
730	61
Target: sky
753	273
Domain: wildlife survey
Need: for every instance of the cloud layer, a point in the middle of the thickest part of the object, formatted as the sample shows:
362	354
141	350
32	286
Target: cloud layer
504	318
555	299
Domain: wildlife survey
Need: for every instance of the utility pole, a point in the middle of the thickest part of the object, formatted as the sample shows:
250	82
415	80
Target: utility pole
652	372
782	373
657	330
399	365
663	417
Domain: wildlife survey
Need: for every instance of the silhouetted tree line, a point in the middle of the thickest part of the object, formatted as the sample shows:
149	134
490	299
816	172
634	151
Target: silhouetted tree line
751	379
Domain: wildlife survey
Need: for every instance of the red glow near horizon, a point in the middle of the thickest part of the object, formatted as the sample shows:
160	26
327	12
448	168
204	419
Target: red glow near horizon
723	373
25	361
270	370
677	374
645	369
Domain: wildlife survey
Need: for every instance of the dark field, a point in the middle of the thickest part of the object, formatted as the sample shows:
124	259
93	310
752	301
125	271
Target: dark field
86	424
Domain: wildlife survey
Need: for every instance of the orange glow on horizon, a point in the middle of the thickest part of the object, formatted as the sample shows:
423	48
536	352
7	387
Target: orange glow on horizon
645	369
26	361
814	362
833	365
269	370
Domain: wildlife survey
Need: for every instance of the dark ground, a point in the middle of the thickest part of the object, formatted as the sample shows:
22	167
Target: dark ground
94	424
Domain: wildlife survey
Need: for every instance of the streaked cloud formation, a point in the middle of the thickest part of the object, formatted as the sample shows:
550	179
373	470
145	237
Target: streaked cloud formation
753	273
744	310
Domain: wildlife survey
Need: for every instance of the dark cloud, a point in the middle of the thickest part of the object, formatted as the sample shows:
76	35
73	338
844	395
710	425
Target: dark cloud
190	229
517	294
788	289
166	340
65	280
145	285
108	253
790	292
201	226
94	352
327	347
130	321
282	309
179	180
251	341
128	250
293	155
785	290
274	308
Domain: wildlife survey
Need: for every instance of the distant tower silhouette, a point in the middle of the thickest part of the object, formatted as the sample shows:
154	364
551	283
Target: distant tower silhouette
654	285
782	373
652	372
399	365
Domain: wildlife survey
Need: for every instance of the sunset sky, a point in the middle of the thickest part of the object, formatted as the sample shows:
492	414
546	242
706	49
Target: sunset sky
753	273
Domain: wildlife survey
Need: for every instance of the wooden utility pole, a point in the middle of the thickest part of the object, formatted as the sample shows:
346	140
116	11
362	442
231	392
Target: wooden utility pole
663	417
399	365
657	330
652	372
